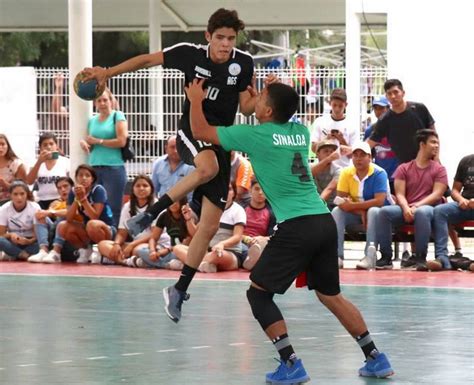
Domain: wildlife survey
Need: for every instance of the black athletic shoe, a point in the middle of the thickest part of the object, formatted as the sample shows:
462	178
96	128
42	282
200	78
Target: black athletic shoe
409	263
384	263
138	223
174	298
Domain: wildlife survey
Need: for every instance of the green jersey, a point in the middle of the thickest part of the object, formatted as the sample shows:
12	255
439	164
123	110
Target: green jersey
279	157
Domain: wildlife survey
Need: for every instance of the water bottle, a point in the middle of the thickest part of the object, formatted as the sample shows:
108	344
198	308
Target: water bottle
371	255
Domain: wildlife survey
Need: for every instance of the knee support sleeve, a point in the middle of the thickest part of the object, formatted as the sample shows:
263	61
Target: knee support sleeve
264	310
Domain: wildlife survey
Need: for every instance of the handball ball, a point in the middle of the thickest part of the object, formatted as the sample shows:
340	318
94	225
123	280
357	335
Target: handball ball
87	90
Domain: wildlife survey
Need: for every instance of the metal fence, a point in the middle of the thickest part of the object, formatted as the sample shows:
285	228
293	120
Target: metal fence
148	95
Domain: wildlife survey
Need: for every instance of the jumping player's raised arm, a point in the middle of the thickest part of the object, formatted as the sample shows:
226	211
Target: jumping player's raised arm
135	63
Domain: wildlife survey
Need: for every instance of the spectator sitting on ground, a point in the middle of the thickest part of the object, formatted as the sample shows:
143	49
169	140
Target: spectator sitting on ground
260	225
326	172
462	209
225	248
107	134
123	247
419	186
49	167
334	126
362	189
17	219
382	152
89	200
168	169
47	222
11	168
241	174
180	224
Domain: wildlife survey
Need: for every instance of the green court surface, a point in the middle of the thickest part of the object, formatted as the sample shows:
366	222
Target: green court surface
95	331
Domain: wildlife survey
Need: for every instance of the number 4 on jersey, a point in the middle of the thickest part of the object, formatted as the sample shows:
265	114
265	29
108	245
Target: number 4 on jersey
298	168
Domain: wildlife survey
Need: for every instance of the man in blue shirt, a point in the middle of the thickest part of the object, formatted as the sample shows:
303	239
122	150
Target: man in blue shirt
169	169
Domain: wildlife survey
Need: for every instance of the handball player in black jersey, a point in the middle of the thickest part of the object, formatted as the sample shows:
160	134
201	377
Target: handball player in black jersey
228	74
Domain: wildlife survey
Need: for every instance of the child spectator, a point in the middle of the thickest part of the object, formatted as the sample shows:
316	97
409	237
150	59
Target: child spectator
89	200
179	223
17	219
11	167
49	167
124	246
326	172
225	251
47	222
260	225
241	174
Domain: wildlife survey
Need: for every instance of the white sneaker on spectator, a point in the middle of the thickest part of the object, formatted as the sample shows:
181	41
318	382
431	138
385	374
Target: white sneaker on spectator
206	267
38	258
4	257
84	255
134	261
175	264
52	257
368	262
95	257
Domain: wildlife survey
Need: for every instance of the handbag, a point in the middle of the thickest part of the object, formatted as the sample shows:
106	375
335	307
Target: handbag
128	153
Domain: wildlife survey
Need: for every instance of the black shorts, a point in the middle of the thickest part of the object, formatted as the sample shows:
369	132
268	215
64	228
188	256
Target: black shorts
216	189
307	243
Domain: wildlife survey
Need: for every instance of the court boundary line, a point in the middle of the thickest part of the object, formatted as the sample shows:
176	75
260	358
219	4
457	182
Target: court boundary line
408	286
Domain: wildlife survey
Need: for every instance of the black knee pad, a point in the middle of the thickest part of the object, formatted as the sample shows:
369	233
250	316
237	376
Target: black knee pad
264	310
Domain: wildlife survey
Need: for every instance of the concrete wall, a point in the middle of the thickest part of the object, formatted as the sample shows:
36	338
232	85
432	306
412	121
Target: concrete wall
430	51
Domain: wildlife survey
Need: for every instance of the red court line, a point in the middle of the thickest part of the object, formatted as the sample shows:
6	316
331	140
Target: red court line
448	279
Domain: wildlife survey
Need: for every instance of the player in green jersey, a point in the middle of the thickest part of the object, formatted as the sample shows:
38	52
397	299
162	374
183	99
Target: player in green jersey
306	236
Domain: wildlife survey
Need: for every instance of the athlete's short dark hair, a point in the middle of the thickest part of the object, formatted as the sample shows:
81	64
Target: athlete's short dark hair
283	100
392	83
424	134
225	18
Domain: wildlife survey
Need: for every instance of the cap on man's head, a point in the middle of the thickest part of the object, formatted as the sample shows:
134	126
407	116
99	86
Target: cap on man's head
380	101
339	93
326	143
363	146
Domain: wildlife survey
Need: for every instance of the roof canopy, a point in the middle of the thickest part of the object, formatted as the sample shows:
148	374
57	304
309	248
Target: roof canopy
187	15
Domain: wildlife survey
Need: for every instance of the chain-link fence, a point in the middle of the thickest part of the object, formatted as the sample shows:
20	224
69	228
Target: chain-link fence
148	95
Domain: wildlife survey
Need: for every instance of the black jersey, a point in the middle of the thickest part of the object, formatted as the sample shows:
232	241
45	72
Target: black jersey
224	81
400	129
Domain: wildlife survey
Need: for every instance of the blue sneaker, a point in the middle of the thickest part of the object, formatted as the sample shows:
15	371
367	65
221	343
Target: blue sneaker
284	374
174	298
135	225
378	367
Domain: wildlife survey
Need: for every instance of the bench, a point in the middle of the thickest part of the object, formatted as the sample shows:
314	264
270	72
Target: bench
406	233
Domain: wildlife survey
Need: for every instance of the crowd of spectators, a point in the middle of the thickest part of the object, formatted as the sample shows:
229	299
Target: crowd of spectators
392	178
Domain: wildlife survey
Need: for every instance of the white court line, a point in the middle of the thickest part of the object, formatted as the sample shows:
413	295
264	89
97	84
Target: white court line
166	350
237	344
308	338
26	365
97	358
132	354
342	336
61	362
379	334
452	329
201	347
414	331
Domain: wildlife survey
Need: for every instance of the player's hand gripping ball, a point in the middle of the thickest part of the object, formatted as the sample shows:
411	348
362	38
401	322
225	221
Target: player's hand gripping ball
87	90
